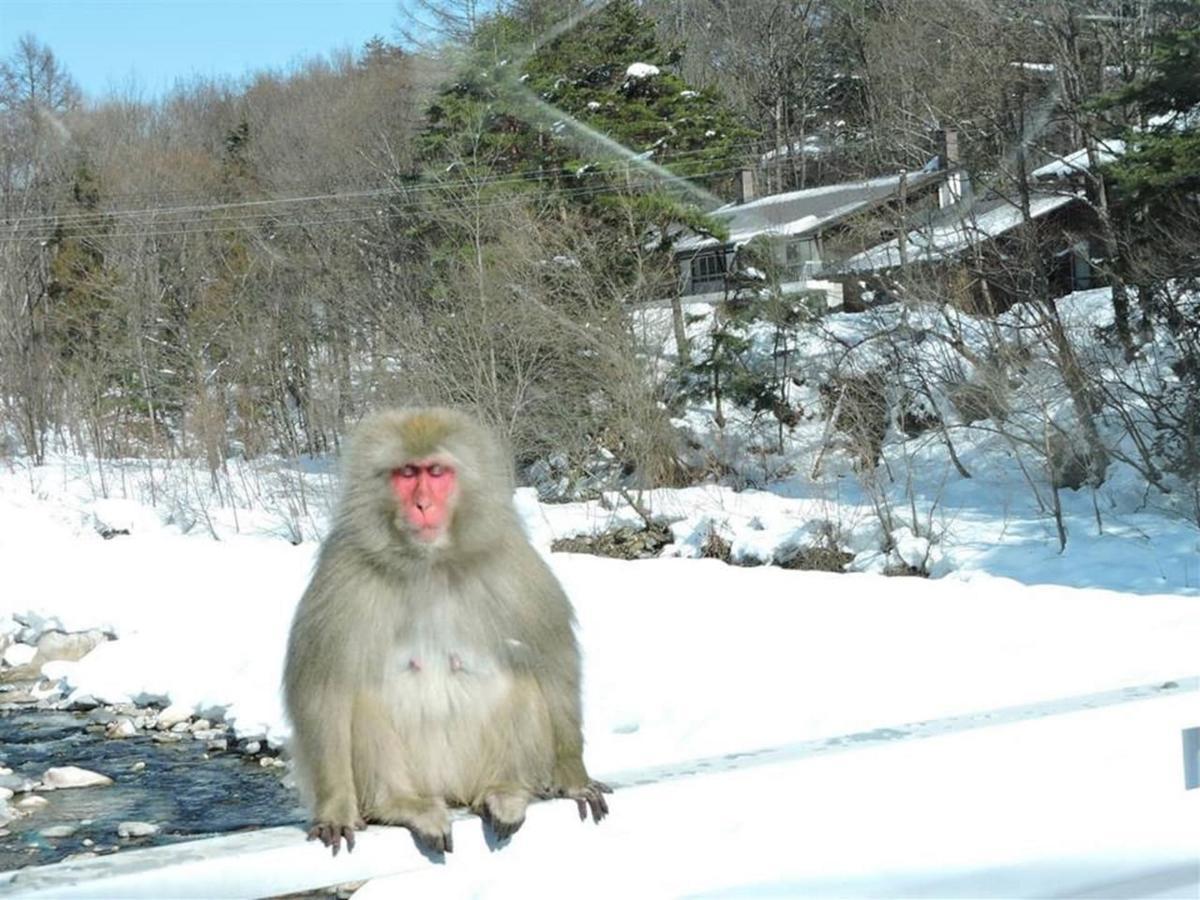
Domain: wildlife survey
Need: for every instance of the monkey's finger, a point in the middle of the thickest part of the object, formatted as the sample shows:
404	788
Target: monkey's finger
598	808
448	840
582	805
348	834
602	787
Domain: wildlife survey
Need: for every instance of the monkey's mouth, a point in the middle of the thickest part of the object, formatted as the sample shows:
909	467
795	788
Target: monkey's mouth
428	534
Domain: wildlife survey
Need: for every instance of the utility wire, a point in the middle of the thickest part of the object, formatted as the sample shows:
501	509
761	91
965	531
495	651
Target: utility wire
227	223
442	185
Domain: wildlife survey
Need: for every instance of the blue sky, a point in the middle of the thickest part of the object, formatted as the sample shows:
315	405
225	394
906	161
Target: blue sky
112	44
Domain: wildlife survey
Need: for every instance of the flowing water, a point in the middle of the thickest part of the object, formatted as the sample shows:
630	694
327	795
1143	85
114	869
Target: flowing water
177	788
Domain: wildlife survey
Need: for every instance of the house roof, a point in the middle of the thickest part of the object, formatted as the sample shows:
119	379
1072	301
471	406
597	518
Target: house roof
801	212
953	230
1076	162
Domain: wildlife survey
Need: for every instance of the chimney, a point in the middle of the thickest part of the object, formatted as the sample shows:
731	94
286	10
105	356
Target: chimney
745	185
951	190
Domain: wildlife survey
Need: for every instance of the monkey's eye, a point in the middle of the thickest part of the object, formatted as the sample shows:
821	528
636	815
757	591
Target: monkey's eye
437	470
406	472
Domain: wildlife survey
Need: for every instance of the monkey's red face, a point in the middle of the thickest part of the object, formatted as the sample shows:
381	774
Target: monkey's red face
426	490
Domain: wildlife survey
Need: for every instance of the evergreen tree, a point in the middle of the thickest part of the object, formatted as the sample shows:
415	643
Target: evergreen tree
1161	167
610	75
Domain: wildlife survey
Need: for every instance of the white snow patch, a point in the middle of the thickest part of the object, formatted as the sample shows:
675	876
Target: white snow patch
639	70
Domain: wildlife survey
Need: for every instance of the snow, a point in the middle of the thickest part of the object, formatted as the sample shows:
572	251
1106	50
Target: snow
768	657
1076	162
1084	804
949	238
640	70
799	212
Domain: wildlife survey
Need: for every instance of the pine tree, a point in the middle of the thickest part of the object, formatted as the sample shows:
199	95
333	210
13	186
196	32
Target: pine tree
559	114
1162	162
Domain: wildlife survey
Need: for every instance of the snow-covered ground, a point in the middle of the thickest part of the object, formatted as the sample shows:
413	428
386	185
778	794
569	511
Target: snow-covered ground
689	659
693	658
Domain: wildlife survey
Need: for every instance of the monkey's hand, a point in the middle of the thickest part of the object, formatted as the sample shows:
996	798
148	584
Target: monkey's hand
588	796
331	834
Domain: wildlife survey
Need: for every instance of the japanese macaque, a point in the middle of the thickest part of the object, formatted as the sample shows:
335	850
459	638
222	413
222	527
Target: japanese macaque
432	660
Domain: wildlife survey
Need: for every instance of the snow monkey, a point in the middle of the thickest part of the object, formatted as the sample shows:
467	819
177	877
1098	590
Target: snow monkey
432	660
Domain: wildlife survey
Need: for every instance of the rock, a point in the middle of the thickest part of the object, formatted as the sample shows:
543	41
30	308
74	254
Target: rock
6	794
83	854
31	803
61	777
180	728
82	702
18	784
147	699
173	715
166	737
5	770
54	646
137	766
250	747
101	717
113	516
19	655
17	698
88	842
215	713
136	829
219	745
201	725
122	728
59	831
35	625
210	735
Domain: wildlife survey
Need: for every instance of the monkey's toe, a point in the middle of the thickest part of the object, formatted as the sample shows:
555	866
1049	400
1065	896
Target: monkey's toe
505	811
436	842
590	798
505	830
332	836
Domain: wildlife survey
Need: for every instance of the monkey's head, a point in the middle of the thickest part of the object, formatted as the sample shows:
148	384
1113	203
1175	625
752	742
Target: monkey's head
424	483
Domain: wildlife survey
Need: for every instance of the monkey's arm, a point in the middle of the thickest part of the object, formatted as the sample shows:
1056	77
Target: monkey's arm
320	707
560	680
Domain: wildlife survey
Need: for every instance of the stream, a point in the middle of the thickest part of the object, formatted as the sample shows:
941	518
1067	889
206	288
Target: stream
181	787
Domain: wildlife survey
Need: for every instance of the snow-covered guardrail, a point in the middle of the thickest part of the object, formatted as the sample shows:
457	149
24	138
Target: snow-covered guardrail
1047	748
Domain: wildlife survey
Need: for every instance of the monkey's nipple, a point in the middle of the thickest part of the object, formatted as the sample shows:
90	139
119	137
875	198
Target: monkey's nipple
414	665
456	663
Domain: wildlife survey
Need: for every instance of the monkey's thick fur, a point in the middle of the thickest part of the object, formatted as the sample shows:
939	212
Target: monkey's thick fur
420	676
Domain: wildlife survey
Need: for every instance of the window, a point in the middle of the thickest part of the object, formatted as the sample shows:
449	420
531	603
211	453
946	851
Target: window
799	253
708	271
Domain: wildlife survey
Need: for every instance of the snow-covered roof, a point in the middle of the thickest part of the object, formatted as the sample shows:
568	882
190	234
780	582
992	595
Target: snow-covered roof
957	228
801	212
1076	162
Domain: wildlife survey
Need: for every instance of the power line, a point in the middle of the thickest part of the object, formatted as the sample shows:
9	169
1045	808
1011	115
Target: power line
486	181
346	217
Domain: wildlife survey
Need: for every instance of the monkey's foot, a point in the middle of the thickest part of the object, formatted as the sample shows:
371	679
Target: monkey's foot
589	797
331	835
505	811
428	820
432	830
